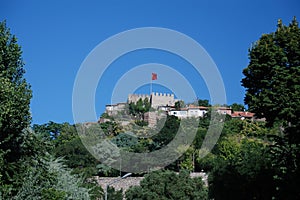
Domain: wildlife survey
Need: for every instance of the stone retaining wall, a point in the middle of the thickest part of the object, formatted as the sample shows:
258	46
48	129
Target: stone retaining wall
133	181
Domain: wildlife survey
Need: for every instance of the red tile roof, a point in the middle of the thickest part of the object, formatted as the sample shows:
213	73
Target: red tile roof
242	114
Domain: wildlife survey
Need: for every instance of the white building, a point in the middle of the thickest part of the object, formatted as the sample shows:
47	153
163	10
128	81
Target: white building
191	111
178	113
196	111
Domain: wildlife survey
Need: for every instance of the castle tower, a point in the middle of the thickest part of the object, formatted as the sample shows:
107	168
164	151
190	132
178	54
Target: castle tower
162	99
156	99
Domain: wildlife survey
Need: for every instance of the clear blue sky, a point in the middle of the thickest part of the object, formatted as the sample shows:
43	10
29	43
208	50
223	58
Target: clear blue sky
56	36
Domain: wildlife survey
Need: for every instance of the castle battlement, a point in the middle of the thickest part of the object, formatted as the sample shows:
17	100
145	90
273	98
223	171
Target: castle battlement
162	94
162	99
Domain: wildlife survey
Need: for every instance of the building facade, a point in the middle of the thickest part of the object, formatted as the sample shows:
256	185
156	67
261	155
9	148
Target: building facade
191	111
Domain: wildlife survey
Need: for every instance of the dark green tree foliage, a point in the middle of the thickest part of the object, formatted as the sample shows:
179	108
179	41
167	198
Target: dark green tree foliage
168	132
125	141
241	171
49	130
168	185
237	107
272	81
67	143
112	194
179	105
110	128
139	108
203	102
15	95
273	75
48	178
285	157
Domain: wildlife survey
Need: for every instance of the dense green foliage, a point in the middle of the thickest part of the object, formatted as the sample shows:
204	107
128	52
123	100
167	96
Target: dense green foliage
139	108
237	107
203	102
272	80
168	185
49	179
168	132
15	95
241	170
66	143
261	162
273	75
179	104
112	194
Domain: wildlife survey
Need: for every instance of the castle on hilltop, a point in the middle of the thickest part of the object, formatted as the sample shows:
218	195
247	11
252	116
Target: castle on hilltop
156	99
163	104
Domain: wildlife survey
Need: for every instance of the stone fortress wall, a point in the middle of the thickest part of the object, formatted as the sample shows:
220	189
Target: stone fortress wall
156	99
133	98
162	99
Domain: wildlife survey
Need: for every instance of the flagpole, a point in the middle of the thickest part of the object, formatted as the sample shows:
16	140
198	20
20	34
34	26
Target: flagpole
151	86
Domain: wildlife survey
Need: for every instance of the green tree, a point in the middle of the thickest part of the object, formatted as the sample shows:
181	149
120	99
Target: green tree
168	185
241	171
48	131
187	160
237	107
273	75
146	105
113	194
50	179
15	95
140	107
168	132
110	128
67	143
203	102
125	141
27	171
179	104
272	82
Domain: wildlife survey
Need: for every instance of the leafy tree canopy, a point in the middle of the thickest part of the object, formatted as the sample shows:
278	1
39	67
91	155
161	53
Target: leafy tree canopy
241	170
272	78
237	107
203	102
272	82
15	94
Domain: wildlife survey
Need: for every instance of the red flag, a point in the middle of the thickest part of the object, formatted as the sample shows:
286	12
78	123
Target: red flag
154	76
